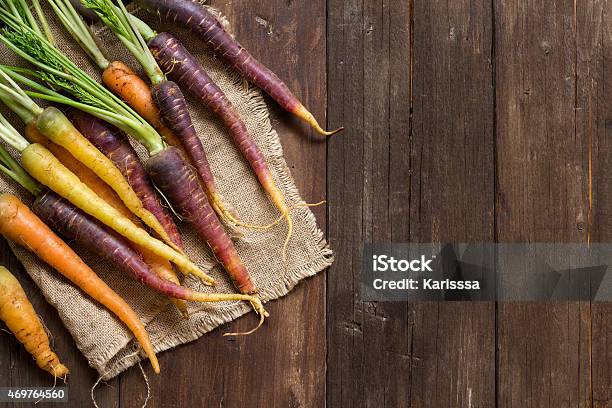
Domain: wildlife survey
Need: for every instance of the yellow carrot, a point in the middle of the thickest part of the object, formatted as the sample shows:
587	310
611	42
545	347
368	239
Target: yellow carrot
45	168
53	124
158	265
19	315
23	227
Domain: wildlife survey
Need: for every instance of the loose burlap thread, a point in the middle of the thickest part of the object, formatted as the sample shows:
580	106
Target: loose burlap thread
105	342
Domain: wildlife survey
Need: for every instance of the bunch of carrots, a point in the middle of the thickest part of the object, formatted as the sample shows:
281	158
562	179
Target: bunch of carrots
86	180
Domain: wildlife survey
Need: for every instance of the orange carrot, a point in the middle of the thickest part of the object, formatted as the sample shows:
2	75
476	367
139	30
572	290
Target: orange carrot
123	81
23	227
128	85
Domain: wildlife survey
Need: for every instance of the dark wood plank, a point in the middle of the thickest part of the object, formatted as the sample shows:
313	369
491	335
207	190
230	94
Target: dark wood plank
452	196
345	161
593	112
425	179
542	184
283	364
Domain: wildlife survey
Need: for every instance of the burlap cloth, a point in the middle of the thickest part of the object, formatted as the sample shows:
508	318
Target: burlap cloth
103	340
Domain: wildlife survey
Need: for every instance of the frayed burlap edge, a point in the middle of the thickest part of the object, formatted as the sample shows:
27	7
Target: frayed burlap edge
115	354
200	321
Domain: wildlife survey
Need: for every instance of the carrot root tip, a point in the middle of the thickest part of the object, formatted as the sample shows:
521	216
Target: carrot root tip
155	364
259	309
60	371
181	305
290	226
308	204
287	238
326	132
206	279
230	219
303	113
263	227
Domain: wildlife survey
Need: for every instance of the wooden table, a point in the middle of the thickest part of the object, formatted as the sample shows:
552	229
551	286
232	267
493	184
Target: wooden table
466	120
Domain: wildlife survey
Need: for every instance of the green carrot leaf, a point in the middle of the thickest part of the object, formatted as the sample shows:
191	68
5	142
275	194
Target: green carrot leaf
107	14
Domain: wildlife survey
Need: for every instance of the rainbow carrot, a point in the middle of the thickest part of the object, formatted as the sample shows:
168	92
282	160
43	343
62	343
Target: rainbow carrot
21	226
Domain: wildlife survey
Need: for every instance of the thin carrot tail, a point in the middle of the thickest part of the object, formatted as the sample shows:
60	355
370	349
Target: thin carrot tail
259	309
304	114
175	115
181	305
290	225
288	237
150	353
162	269
228	216
254	300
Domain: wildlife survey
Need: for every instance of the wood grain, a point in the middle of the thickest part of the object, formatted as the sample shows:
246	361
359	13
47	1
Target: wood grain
369	72
466	121
420	171
452	193
543	348
593	113
283	364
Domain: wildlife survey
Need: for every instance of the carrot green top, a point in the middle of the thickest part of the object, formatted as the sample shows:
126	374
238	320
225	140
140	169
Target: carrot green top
20	103
74	24
59	72
119	21
8	165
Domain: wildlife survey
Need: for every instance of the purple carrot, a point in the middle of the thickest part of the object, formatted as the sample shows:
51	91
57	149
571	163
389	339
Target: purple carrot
115	145
185	70
173	176
193	15
175	114
77	226
85	230
173	109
